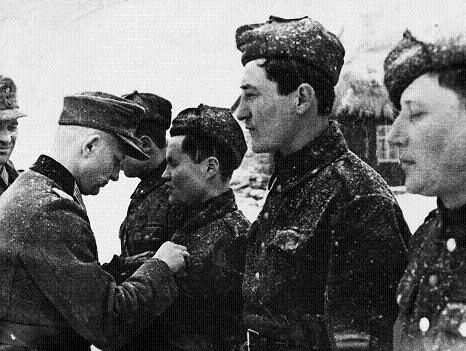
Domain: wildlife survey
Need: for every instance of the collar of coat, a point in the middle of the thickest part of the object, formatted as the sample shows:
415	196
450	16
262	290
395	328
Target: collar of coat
317	154
150	181
11	172
57	172
452	216
195	217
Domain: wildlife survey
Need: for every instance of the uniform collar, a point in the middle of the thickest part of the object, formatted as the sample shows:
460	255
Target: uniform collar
58	173
452	216
9	173
4	175
318	153
194	217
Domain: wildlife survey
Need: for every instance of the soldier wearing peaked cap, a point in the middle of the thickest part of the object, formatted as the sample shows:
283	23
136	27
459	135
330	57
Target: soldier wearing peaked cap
330	244
54	294
206	146
425	75
146	226
9	114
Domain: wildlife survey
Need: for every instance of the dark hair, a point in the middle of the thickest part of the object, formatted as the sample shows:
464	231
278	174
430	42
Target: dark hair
290	73
200	147
158	135
454	79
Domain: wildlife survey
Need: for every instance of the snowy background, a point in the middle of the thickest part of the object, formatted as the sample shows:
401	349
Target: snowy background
182	50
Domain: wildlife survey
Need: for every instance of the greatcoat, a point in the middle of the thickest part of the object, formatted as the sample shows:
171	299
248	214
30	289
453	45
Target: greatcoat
54	294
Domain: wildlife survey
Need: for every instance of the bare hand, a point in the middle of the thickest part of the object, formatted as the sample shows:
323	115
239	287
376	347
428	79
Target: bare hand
173	255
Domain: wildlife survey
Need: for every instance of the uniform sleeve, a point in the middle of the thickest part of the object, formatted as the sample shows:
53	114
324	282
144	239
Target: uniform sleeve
62	259
368	258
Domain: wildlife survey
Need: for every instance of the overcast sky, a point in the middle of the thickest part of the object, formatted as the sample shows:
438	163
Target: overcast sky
182	50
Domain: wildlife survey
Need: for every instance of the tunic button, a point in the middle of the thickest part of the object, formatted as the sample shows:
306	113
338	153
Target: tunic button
279	188
257	275
424	324
263	246
265	215
451	244
433	280
462	329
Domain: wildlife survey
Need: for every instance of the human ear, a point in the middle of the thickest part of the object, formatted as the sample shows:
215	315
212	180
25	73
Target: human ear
89	146
147	143
213	166
305	98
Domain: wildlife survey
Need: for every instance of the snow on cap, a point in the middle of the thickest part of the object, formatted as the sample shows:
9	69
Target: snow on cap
299	38
433	50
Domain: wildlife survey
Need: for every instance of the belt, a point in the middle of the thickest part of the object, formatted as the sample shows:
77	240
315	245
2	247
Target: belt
256	342
41	337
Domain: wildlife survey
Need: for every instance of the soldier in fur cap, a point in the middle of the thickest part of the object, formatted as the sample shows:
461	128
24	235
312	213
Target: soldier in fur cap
425	75
330	244
54	293
206	146
9	114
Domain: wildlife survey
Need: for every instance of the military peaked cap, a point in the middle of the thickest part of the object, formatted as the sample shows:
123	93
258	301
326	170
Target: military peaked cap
158	109
301	39
9	108
216	123
106	112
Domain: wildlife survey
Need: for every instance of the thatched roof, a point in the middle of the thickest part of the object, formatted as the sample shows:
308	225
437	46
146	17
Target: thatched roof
362	95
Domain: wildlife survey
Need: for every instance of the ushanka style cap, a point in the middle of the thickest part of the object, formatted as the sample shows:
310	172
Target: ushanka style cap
216	123
158	109
9	108
301	39
106	112
414	56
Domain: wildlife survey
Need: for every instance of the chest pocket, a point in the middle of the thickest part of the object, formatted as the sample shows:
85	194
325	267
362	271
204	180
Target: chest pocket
291	239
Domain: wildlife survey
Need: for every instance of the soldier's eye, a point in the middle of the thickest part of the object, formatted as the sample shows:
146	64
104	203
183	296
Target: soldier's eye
416	115
12	127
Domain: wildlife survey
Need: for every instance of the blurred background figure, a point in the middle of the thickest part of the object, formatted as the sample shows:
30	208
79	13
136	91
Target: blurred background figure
9	114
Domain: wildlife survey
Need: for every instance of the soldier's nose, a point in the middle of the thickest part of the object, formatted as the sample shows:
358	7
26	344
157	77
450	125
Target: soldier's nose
115	175
5	136
165	175
243	111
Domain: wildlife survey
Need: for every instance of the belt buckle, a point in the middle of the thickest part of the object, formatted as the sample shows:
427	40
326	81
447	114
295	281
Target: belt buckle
248	337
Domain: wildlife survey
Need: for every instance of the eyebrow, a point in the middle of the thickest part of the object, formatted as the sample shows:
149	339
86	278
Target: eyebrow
247	86
414	103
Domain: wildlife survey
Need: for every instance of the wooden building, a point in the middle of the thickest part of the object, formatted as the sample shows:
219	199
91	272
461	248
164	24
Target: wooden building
364	111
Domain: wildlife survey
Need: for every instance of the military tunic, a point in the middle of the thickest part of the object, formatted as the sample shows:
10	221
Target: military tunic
54	294
12	175
325	255
207	315
146	225
432	293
